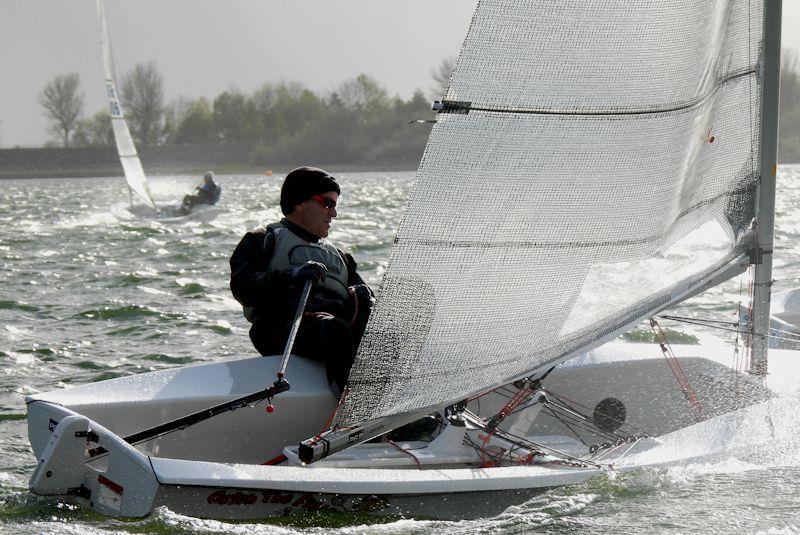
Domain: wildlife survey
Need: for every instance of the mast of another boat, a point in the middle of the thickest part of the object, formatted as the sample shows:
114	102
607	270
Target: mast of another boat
765	216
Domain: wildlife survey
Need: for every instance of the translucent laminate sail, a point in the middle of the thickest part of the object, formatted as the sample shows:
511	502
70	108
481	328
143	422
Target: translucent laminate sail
590	159
128	157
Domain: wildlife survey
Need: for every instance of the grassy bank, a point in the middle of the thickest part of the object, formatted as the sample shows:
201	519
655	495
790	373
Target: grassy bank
116	171
166	160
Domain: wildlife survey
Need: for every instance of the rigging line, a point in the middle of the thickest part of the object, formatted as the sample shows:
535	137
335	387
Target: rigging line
338	406
585	423
504	391
486	457
792	338
677	370
511	453
560	398
581	422
523	394
460	107
555	404
783	334
791	335
553	414
606	415
719	328
607	452
736	356
478	449
750	298
495	458
590	426
568	420
778	282
530	444
419	465
688	319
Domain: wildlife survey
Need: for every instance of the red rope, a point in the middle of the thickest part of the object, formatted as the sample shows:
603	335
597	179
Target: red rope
677	371
352	293
275	460
419	466
333	415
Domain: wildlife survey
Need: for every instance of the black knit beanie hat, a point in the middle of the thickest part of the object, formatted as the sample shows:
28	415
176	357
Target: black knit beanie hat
303	183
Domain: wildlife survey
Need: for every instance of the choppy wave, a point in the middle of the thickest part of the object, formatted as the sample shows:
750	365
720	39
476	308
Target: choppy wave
16	305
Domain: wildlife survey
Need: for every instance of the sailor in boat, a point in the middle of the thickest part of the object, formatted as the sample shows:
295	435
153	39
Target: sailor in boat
207	192
271	265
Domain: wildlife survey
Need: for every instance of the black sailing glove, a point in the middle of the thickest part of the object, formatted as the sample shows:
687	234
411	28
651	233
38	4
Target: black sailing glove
363	295
310	271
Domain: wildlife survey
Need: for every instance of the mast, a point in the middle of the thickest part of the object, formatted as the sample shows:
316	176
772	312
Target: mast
765	215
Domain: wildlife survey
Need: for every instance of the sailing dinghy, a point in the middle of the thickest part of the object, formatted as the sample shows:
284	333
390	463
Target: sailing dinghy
129	158
577	181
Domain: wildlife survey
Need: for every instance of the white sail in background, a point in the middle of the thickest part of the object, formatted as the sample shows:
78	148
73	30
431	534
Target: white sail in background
131	166
592	163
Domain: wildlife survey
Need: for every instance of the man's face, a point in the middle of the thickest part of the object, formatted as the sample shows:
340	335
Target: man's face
315	214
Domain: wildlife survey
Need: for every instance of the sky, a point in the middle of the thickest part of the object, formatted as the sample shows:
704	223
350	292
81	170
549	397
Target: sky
204	47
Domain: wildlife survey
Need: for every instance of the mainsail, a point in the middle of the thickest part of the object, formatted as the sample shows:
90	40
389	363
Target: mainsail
131	166
591	163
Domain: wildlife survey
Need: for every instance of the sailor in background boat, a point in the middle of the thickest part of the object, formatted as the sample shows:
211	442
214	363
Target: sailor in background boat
270	266
206	193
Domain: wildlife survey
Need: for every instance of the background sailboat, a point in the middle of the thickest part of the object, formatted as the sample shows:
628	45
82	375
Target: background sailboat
128	156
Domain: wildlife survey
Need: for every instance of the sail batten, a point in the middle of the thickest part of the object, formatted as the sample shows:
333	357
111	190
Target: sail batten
532	236
466	107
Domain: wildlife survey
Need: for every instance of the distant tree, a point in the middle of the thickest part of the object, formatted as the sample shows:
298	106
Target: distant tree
283	110
362	93
441	76
789	122
790	80
417	107
173	114
143	102
234	117
357	122
62	101
95	131
194	124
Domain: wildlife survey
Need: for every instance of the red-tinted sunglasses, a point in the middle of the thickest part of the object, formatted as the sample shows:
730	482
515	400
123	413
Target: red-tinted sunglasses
326	202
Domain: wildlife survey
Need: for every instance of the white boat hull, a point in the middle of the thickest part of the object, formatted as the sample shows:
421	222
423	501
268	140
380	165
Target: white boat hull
247	493
166	213
216	468
126	482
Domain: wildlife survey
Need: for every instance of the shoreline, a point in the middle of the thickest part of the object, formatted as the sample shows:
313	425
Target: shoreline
113	172
88	162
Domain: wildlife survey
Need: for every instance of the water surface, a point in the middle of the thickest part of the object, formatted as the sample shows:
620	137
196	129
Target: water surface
85	298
